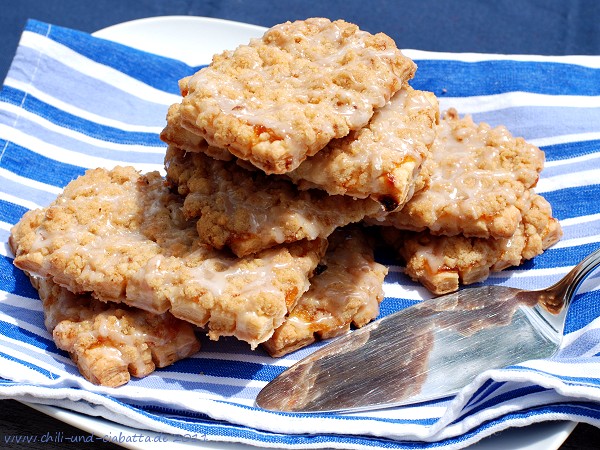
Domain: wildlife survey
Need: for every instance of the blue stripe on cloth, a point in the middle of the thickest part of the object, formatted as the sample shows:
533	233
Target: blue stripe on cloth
47	373
178	414
485	390
71	122
29	316
592	382
499	399
235	432
13	280
585	229
390	305
27	337
448	78
583	309
11	213
96	149
350	417
560	257
156	71
227	368
574	202
584	343
27	163
571	150
166	379
266	436
92	95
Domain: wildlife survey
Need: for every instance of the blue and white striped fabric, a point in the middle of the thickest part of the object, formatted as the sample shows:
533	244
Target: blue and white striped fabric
72	101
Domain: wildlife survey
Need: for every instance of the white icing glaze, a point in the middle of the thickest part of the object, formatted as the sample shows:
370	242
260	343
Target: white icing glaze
389	145
466	172
327	56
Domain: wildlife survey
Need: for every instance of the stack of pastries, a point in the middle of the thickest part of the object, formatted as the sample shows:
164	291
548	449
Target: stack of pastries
287	160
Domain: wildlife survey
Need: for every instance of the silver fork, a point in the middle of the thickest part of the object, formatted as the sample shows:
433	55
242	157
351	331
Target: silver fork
429	350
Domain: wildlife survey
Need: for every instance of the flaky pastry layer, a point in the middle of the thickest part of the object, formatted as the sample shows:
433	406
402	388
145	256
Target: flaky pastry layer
347	291
249	211
284	96
111	343
122	237
381	160
477	174
442	263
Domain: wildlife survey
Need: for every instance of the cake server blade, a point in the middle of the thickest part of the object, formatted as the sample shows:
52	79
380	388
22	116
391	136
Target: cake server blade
429	350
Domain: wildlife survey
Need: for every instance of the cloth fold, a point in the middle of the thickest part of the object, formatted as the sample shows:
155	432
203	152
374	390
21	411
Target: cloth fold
72	101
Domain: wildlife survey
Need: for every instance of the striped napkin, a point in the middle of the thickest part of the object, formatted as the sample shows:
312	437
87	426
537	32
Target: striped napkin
72	101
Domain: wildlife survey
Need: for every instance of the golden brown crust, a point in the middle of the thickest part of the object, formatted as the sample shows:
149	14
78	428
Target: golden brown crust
441	263
477	175
283	97
250	211
175	135
381	160
122	237
110	343
347	292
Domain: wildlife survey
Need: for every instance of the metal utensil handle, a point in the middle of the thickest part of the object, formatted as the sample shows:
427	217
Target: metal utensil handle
566	287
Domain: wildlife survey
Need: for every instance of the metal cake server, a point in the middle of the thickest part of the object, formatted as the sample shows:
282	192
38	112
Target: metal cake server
429	350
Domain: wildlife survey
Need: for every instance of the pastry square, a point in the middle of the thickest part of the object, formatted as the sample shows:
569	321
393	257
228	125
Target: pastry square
122	237
249	211
111	343
284	96
381	160
175	135
347	290
441	263
477	174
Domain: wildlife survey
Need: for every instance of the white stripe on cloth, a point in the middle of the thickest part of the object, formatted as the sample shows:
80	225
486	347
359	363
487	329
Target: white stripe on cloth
19	201
478	104
93	69
8	175
567	138
77	135
580	60
57	103
575	179
60	154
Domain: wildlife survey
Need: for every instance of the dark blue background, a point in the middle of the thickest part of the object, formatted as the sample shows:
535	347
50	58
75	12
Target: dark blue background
550	27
